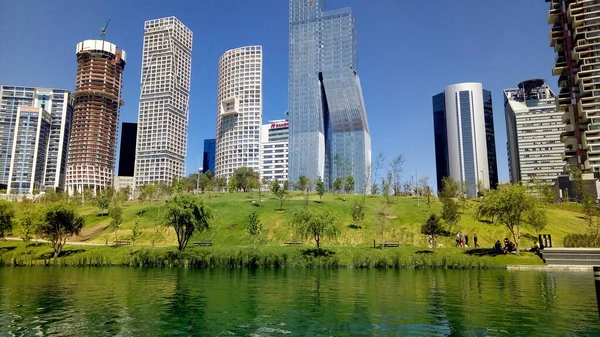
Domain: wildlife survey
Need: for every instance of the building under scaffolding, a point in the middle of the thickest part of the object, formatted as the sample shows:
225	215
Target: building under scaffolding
97	99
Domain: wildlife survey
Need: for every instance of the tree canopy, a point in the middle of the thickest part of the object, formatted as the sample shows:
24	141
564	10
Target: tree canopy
7	213
61	221
315	223
433	227
187	214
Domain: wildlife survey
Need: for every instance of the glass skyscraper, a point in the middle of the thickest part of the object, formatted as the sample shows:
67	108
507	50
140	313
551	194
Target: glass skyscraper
329	132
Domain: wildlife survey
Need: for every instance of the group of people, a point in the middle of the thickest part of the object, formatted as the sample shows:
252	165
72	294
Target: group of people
509	247
462	241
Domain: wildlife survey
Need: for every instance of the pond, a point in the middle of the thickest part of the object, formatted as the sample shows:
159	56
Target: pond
298	302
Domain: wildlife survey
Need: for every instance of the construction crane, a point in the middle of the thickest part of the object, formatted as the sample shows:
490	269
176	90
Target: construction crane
103	29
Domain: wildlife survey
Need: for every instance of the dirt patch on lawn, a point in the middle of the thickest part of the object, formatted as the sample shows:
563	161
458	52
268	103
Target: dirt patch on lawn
90	233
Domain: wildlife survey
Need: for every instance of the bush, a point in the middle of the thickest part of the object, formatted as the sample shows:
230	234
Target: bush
581	241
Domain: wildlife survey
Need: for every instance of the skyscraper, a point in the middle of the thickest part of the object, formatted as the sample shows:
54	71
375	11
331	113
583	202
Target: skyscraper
208	156
164	102
533	130
59	104
576	43
329	132
95	115
29	150
127	149
239	110
464	137
274	147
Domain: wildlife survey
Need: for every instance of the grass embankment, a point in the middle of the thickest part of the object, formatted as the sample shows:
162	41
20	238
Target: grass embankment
232	245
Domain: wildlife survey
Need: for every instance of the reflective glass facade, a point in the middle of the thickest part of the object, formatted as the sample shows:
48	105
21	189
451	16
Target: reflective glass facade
329	132
208	158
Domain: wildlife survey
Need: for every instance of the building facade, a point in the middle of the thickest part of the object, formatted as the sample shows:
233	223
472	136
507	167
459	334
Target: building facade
575	39
533	130
239	110
164	102
127	149
59	104
464	137
329	134
274	150
29	150
97	100
208	156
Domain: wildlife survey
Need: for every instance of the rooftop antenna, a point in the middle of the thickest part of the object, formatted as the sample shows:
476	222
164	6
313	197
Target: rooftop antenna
103	29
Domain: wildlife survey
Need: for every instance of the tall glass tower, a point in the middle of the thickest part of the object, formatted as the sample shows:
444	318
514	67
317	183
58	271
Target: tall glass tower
329	132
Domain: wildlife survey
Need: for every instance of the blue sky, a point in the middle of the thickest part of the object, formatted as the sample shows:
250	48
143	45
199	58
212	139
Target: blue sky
408	51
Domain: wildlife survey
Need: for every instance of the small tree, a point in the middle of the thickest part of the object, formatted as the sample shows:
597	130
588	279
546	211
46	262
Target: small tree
315	223
7	213
374	189
337	185
359	209
432	227
136	232
282	194
29	222
348	184
320	187
116	214
232	185
187	214
61	221
450	212
537	219
103	201
254	226
397	167
383	216
303	183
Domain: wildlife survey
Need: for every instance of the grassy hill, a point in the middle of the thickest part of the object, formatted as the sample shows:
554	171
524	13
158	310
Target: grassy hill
231	211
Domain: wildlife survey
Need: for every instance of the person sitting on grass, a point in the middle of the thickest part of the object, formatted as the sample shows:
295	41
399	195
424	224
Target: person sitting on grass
497	247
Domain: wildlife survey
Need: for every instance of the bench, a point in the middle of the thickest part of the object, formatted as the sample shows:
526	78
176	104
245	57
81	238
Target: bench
122	242
293	243
390	244
203	243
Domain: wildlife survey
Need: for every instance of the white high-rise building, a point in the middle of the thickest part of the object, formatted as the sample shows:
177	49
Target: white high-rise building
239	110
164	102
274	150
533	129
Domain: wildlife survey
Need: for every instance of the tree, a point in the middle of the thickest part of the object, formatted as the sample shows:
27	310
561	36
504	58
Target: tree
537	219
432	227
578	190
450	188
103	201
513	203
136	232
397	167
450	212
386	189
220	183
116	214
374	189
320	187
383	216
406	187
163	190
123	194
29	222
348	184
61	221
358	210
282	193
589	210
337	185
232	185
187	214
254	226
303	183
377	165
7	213
317	224
245	178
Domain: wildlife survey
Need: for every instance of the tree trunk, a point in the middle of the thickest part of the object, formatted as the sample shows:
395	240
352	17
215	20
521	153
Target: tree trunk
255	242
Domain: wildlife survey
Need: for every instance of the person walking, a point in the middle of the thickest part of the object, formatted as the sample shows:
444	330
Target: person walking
457	239
475	240
467	239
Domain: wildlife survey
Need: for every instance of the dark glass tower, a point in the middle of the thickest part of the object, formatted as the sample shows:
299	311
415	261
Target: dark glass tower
208	158
329	132
490	138
441	145
127	149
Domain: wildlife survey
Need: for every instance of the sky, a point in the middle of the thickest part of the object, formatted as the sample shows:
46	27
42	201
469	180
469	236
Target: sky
408	51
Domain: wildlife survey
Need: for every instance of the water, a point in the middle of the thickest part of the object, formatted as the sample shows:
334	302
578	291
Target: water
152	302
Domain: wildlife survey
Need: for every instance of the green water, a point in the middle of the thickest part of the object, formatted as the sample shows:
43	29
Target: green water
165	302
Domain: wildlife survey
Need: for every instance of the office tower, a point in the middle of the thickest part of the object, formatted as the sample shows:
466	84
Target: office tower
464	135
29	150
274	149
239	110
127	149
575	40
329	132
164	102
533	129
208	157
97	99
59	104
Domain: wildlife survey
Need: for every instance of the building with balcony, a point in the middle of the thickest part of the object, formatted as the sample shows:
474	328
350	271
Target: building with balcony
465	148
57	102
274	150
533	130
575	37
163	113
97	100
29	150
239	110
329	132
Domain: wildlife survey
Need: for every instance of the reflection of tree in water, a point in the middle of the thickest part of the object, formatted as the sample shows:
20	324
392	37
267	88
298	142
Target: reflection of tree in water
185	310
446	303
547	287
